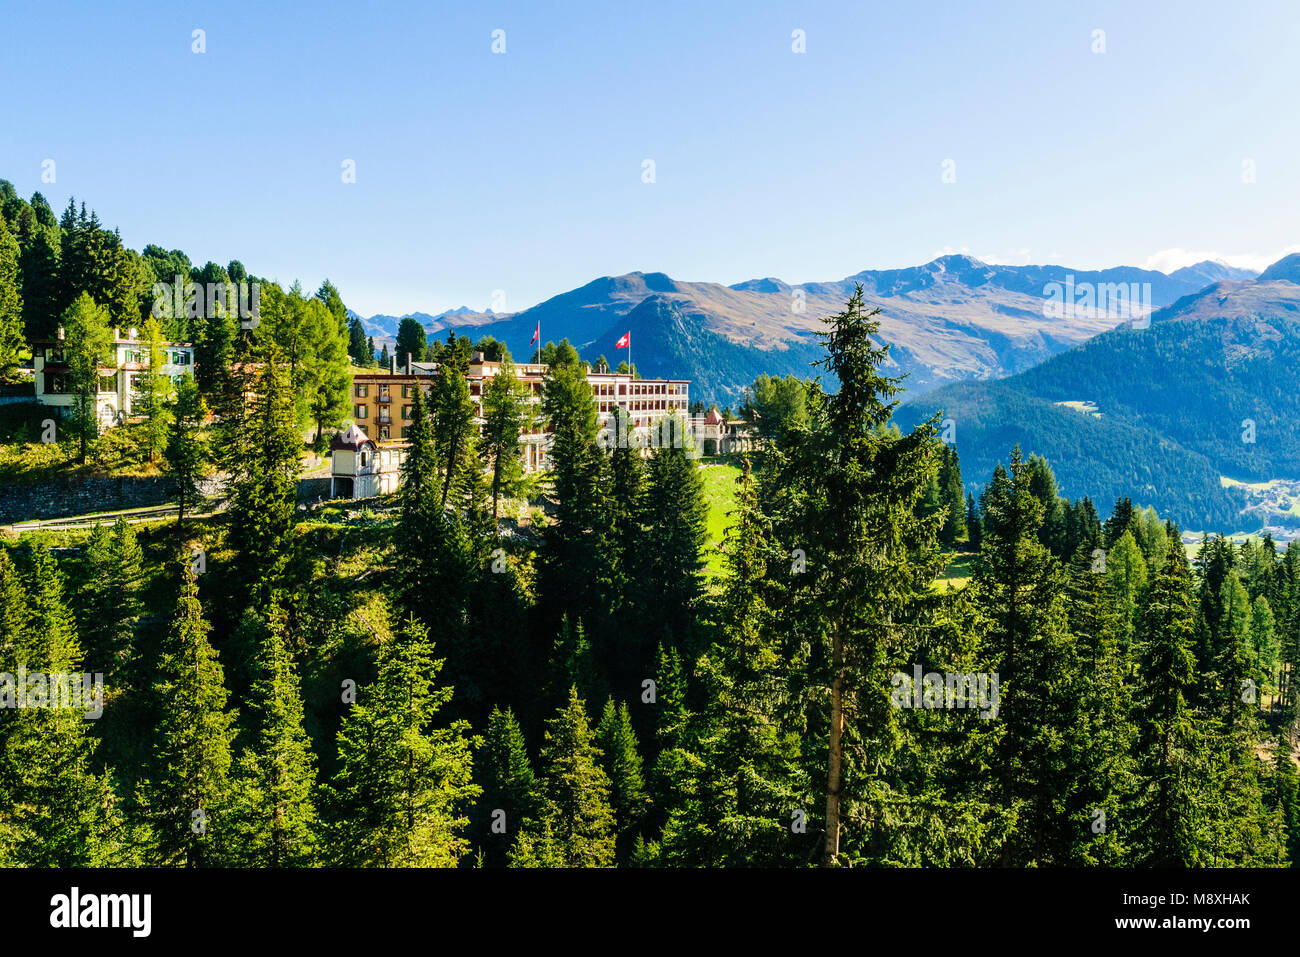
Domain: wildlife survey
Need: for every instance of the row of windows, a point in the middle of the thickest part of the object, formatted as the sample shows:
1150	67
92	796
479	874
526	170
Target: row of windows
361	390
175	357
646	405
60	383
639	388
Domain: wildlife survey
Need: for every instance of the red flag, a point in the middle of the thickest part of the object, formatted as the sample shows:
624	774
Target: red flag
625	342
537	333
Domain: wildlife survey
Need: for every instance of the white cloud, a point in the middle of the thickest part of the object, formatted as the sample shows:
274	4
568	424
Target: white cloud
1167	260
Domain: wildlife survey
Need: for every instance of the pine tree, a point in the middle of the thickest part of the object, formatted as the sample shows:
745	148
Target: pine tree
189	789
55	809
574	563
1170	757
417	493
855	484
1098	616
401	789
326	370
675	515
454	432
113	596
952	498
730	800
1019	586
1126	577
39	269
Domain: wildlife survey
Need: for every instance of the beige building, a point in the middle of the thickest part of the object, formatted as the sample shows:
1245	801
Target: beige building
117	377
381	408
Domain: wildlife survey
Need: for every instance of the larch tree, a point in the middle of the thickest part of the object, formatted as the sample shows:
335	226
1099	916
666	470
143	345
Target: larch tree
87	343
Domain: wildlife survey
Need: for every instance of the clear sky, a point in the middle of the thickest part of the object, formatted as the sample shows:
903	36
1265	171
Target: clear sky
523	171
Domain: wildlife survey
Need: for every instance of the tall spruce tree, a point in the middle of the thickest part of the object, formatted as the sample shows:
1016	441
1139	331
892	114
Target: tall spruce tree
511	800
400	794
861	552
56	809
188	792
1169	748
154	393
185	456
1019	586
506	415
87	341
622	764
577	789
272	819
260	452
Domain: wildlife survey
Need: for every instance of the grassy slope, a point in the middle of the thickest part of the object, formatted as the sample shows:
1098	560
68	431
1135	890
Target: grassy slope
720	493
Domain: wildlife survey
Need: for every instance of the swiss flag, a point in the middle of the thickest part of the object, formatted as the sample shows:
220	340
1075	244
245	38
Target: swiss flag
537	333
625	342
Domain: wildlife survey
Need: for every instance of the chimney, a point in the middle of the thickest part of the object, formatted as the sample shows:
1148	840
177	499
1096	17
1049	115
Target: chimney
408	363
393	363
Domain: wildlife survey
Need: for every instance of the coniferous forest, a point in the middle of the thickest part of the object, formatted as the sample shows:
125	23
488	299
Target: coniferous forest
434	683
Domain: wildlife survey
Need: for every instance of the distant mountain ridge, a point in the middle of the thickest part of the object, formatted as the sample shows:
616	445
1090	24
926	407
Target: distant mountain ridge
950	320
1164	413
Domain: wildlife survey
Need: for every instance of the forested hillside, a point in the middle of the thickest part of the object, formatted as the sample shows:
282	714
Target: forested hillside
446	682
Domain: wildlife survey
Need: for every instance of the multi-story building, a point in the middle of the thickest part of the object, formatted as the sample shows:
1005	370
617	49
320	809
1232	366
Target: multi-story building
117	377
381	403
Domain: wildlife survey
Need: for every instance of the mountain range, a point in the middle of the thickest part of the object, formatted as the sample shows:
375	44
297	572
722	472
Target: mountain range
951	320
1195	413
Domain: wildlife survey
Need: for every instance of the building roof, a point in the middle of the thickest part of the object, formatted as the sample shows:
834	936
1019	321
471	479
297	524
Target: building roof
352	439
713	418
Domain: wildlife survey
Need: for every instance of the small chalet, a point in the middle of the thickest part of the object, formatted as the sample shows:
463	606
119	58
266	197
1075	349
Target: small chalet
362	469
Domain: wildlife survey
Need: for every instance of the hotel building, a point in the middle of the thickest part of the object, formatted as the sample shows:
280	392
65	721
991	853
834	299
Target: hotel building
381	409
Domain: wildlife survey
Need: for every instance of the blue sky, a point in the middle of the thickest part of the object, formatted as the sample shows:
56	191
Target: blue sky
522	171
